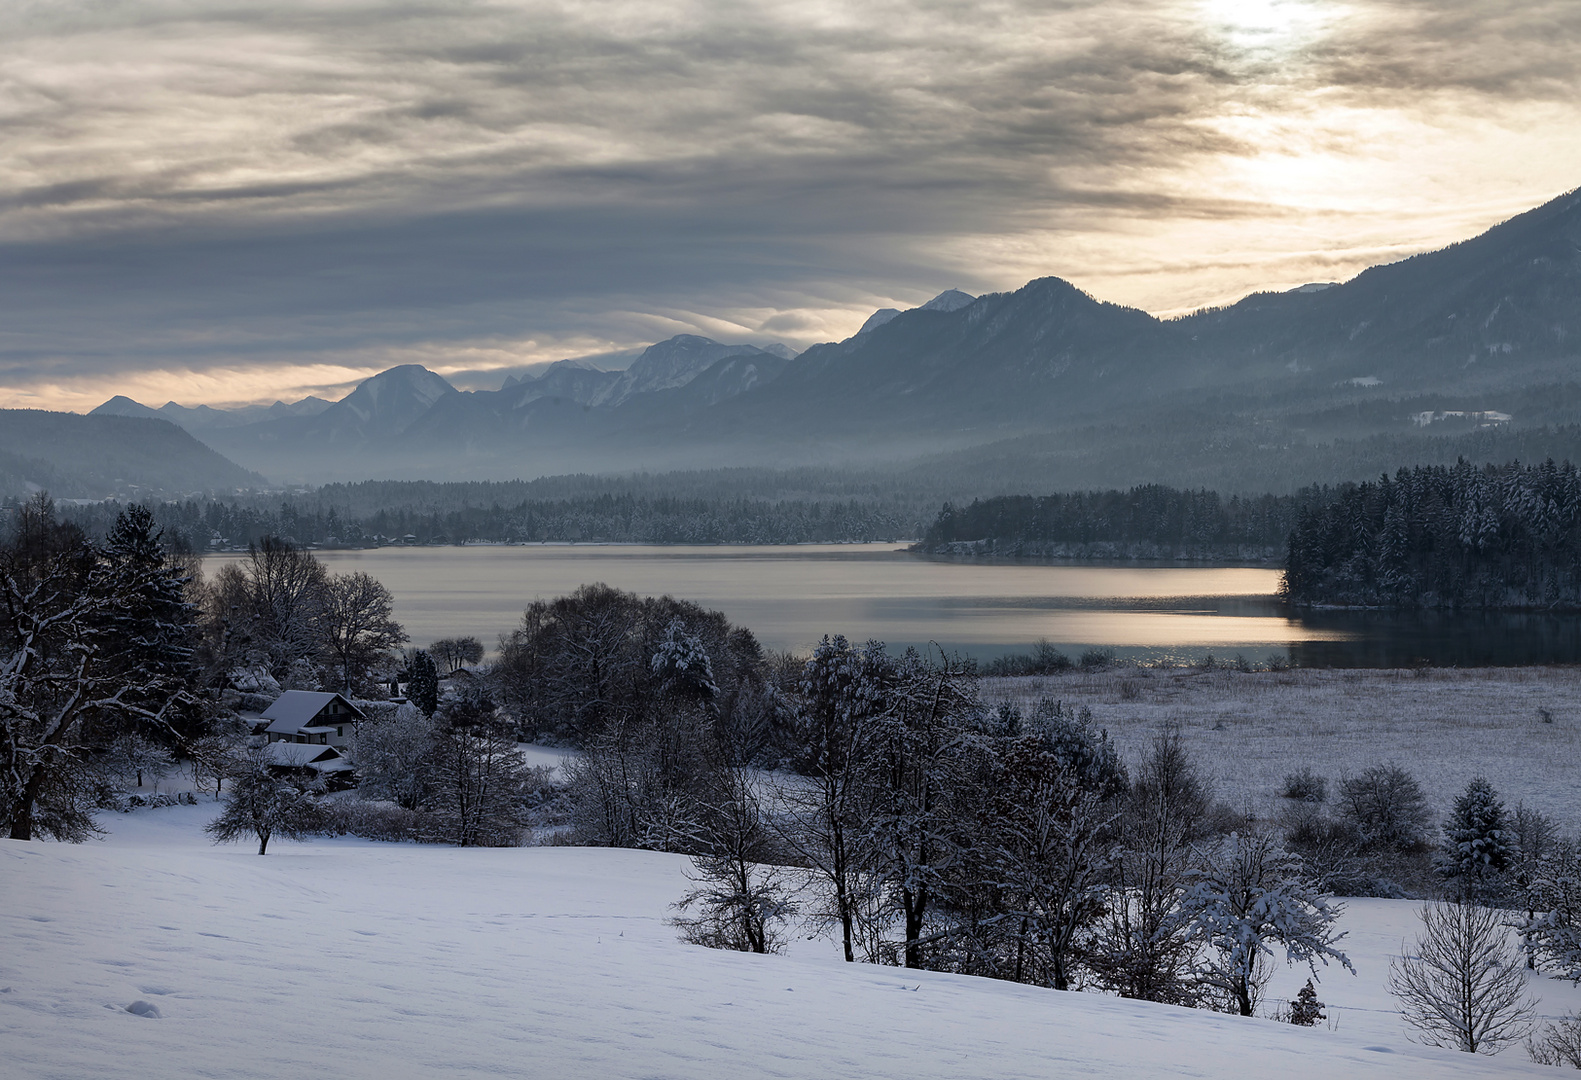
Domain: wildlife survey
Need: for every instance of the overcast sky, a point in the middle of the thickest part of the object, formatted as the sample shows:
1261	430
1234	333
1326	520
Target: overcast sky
236	201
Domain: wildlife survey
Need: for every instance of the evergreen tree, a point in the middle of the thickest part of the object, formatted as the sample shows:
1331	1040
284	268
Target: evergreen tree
1478	843
422	683
72	619
1306	1010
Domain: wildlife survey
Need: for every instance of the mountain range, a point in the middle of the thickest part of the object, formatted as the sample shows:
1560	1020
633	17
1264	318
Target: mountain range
1490	327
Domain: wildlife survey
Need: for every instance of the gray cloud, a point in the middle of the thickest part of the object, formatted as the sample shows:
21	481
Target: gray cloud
197	185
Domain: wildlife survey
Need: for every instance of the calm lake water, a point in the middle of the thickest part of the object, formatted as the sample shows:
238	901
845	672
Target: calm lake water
791	596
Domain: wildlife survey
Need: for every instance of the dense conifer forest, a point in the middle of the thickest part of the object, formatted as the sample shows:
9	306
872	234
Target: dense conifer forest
1149	521
1434	537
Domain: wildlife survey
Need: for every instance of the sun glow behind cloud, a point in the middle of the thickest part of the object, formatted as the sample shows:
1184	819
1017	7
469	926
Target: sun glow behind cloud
218	202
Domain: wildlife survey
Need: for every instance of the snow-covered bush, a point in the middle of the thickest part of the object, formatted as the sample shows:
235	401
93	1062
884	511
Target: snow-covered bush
1559	1043
1305	786
1386	807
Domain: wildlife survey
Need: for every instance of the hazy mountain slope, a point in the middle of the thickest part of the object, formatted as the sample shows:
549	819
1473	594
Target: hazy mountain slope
669	364
99	456
948	300
1489	324
572	380
1003	358
1501	307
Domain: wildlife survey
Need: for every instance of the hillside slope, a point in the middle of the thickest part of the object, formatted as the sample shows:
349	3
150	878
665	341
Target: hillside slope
95	457
385	961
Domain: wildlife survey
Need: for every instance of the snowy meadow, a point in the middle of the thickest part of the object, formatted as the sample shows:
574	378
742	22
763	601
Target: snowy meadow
398	960
1518	727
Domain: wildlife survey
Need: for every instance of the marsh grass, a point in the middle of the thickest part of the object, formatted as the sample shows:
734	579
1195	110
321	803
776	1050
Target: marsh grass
1519	727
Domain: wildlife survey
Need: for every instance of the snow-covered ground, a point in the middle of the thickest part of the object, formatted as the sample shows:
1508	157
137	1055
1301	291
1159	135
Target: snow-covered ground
355	959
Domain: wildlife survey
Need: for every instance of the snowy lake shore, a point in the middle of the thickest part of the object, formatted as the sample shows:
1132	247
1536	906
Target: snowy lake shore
359	959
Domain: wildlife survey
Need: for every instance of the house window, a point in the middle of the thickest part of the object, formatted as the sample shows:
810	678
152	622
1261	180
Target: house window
323	737
340	732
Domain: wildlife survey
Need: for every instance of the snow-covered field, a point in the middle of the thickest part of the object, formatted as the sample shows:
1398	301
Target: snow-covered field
1252	729
353	959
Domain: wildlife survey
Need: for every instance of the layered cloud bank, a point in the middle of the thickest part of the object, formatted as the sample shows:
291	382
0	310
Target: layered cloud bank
229	201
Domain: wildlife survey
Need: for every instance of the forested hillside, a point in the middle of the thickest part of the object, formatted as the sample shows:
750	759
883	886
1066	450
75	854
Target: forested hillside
1461	537
97	457
1150	521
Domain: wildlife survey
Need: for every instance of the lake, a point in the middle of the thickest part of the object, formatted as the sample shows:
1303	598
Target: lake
791	596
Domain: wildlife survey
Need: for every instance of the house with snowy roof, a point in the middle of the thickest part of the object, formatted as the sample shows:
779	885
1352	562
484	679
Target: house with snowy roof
326	761
305	716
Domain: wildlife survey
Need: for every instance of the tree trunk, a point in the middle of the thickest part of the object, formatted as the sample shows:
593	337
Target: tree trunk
263	842
22	817
914	903
22	822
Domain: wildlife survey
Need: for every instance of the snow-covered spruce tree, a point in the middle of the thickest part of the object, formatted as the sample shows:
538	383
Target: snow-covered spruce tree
1478	845
741	899
152	633
1249	898
1306	1010
265	802
1463	986
683	669
422	683
69	616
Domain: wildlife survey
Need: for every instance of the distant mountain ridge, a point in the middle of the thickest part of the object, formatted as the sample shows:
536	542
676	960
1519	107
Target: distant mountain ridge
1490	327
203	417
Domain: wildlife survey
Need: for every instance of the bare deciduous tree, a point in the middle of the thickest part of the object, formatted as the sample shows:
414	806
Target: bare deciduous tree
1463	986
356	625
741	896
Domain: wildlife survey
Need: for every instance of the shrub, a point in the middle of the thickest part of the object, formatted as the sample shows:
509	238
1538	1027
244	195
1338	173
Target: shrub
1096	659
1386	807
371	820
1305	786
